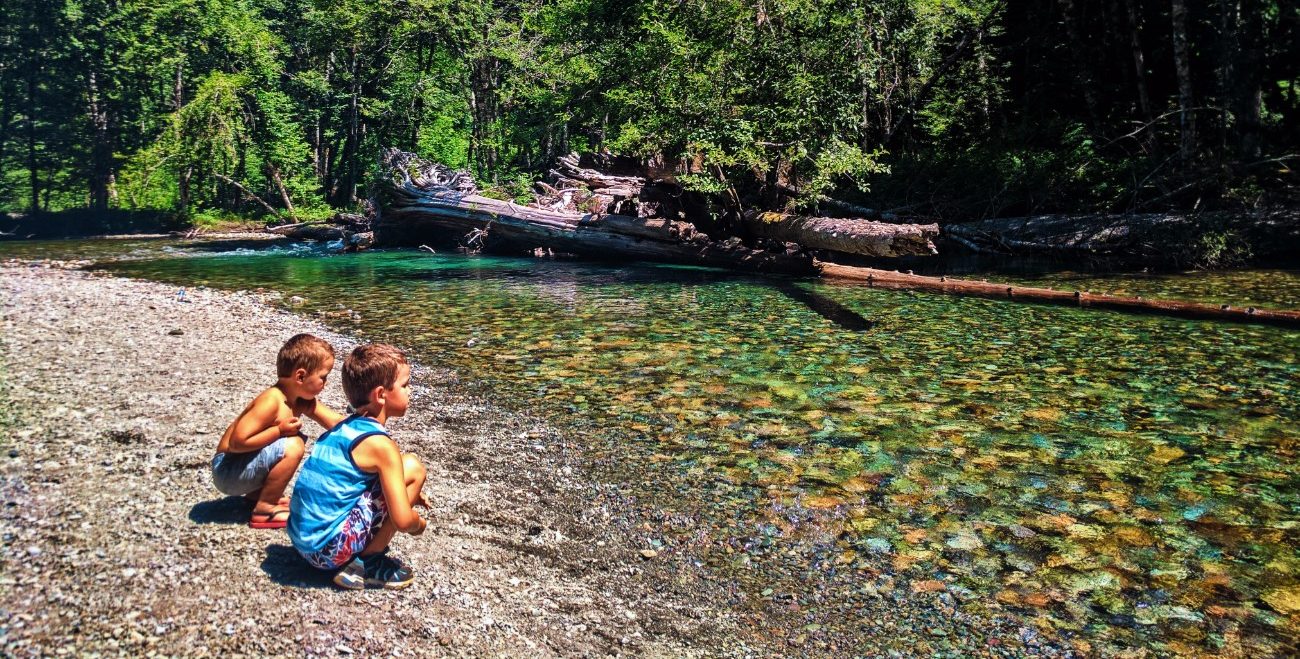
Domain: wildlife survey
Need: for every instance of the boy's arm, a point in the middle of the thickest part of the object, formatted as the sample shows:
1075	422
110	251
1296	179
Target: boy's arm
259	426
322	414
379	453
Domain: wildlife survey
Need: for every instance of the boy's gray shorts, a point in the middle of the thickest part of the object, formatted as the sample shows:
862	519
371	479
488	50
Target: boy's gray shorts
241	473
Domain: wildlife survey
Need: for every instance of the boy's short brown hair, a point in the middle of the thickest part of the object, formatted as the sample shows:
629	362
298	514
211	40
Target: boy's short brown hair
369	366
302	351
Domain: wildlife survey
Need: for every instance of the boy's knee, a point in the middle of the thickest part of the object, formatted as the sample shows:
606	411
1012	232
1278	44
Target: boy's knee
412	466
294	448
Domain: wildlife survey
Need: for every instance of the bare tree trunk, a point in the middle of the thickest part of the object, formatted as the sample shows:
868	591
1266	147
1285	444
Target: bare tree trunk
284	193
247	193
1139	61
348	160
483	101
184	186
183	176
178	88
1183	70
4	118
101	148
33	174
1248	96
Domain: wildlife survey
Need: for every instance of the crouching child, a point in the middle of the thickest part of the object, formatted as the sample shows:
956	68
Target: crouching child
260	450
357	489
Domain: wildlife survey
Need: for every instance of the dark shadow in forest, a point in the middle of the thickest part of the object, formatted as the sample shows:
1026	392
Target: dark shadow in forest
226	510
285	566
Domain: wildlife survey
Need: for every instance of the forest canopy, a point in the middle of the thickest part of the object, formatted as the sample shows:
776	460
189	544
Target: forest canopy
950	109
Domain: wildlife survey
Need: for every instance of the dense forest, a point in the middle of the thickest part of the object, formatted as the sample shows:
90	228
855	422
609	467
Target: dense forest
949	109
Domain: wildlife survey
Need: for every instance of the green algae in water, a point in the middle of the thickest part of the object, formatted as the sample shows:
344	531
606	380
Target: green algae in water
1133	478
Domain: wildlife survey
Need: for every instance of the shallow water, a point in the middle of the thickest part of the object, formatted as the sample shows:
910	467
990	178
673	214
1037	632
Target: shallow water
1130	480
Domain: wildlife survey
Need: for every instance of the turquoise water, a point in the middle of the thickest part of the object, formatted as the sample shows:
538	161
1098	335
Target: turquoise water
1128	480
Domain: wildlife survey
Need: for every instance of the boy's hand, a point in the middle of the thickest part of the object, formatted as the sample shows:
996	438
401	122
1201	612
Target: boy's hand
421	502
289	426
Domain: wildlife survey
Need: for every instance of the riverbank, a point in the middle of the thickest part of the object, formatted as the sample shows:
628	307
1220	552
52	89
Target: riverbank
114	394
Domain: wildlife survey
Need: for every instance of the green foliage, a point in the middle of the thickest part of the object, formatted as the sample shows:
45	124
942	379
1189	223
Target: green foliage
1221	249
951	108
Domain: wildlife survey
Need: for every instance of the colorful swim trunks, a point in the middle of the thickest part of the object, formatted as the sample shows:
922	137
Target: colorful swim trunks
361	524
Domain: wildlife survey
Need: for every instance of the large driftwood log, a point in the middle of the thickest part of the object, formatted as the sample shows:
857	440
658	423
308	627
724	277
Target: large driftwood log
425	202
595	213
1196	310
848	235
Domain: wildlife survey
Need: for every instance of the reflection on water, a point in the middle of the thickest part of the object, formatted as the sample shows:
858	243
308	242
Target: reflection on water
1129	479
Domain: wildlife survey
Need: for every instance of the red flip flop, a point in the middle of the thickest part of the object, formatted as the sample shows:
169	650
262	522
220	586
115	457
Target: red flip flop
276	519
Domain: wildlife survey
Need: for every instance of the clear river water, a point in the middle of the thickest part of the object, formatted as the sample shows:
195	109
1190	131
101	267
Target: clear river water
1129	480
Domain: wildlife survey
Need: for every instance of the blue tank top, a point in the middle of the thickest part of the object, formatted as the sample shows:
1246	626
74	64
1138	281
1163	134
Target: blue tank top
330	484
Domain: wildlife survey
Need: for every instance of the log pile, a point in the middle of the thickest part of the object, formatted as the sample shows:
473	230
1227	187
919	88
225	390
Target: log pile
593	213
428	203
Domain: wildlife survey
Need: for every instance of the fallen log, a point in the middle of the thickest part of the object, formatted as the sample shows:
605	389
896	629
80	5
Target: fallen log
848	235
426	202
1194	310
309	231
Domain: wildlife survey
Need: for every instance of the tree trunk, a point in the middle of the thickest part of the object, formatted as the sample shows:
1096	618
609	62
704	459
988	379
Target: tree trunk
906	281
851	236
351	144
1183	70
33	174
1139	62
483	103
1247	101
284	193
101	147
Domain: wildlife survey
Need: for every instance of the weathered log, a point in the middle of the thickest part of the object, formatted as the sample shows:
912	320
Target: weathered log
422	197
309	231
426	202
1149	236
852	236
1195	310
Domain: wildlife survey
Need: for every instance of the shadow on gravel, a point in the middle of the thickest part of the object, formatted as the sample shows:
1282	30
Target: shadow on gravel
287	568
227	510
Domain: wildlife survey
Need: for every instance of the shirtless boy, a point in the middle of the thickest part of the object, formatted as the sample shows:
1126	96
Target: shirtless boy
260	451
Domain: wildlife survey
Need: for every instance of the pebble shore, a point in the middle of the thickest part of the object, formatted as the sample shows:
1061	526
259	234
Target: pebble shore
113	394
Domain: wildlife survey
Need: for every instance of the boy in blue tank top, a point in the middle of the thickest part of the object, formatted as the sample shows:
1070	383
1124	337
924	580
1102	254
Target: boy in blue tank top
357	489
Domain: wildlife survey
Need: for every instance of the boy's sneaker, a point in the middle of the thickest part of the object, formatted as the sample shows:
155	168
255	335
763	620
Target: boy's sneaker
384	571
352	576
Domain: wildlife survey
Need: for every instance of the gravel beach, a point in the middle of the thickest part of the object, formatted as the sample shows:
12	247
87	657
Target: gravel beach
113	541
114	395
